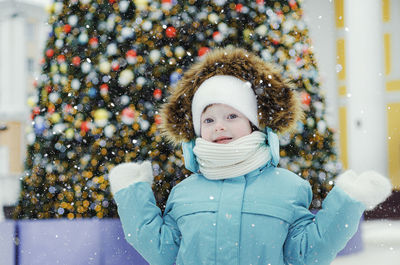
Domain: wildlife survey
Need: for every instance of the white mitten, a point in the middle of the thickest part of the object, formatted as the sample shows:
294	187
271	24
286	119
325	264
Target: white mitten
125	174
370	187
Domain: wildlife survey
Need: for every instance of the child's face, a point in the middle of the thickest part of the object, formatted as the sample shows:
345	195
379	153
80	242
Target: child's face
223	124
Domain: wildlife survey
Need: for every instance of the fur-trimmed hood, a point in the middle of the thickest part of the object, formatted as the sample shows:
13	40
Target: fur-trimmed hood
278	104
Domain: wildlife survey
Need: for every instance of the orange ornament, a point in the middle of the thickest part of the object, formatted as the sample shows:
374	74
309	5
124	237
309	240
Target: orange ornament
305	98
170	32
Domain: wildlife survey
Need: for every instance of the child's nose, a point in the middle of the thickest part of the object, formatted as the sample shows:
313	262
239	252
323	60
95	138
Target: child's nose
219	126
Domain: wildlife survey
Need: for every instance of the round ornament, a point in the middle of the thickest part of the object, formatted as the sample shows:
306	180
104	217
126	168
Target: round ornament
170	32
109	130
157	94
128	115
76	60
202	51
305	98
104	90
49	53
75	84
179	51
105	67
125	77
94	42
155	56
131	56
101	117
73	20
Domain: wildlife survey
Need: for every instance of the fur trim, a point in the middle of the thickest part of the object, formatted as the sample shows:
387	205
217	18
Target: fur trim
126	174
370	187
278	104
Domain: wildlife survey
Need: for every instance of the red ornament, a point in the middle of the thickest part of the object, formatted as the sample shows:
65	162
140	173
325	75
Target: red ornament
275	41
115	65
260	2
239	8
50	53
67	108
51	109
112	1
76	60
42	61
157	94
157	119
128	115
94	42
202	51
48	88
67	28
217	36
293	4
36	110
61	58
170	32
131	53
305	98
85	126
104	89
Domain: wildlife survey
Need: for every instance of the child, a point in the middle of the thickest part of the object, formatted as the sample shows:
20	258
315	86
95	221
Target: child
237	207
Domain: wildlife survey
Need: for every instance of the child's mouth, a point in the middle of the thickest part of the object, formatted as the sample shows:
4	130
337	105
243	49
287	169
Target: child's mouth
223	140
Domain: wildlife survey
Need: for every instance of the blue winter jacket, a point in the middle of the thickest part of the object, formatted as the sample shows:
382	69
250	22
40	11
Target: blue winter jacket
259	218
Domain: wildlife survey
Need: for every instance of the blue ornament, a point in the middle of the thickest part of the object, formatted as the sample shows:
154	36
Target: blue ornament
174	78
300	127
39	125
92	92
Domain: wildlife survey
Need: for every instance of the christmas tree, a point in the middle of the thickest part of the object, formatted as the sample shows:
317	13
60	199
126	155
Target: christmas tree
107	67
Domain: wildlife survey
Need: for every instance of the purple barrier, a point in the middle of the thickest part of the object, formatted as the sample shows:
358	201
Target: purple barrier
85	241
7	246
355	244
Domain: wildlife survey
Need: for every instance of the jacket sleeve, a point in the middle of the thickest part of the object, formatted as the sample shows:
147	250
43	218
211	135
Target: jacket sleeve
154	236
316	239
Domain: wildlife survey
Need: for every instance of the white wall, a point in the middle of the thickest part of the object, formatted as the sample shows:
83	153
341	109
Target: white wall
16	82
320	19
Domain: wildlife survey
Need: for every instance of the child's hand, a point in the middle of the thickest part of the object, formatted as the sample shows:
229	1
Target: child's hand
125	174
370	187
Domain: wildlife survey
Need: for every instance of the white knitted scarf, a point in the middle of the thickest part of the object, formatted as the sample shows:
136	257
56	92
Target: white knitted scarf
223	161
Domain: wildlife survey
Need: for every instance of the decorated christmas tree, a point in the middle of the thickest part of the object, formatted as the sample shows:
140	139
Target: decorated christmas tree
107	67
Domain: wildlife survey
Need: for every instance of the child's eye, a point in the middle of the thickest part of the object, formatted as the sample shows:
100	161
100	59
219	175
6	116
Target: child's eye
232	116
208	120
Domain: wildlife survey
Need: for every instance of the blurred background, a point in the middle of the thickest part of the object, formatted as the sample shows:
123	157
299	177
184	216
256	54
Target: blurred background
355	45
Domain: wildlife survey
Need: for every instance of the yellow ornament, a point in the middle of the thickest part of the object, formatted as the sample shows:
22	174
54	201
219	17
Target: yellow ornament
69	133
141	4
63	68
31	101
54	68
101	117
55	117
105	67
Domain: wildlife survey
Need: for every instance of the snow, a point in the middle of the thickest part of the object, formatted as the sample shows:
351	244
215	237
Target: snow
381	240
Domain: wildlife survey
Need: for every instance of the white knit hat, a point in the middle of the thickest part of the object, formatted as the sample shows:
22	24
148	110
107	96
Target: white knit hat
224	89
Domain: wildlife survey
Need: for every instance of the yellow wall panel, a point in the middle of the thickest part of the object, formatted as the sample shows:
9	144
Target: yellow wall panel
340	58
342	91
339	13
386	10
11	138
343	136
393	85
393	114
387	51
